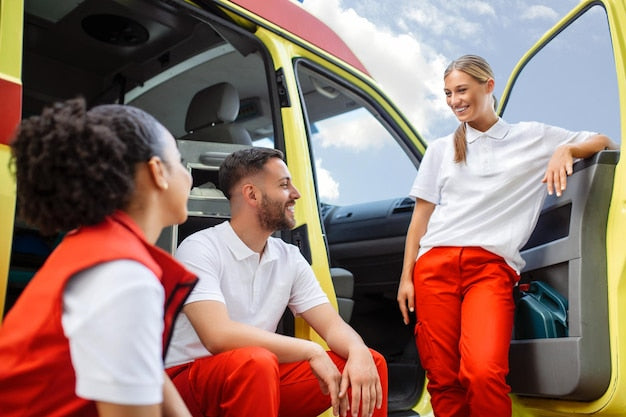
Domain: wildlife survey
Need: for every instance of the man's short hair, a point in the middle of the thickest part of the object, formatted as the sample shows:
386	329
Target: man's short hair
243	163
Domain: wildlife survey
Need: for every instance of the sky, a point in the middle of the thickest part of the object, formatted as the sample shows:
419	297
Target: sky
420	37
407	44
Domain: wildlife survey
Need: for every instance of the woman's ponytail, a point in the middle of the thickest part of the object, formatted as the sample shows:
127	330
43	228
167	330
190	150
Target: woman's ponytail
460	144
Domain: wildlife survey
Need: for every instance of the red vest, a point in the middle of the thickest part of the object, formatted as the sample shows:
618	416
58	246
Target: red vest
36	374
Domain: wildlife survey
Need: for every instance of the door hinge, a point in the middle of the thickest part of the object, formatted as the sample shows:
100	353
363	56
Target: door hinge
281	83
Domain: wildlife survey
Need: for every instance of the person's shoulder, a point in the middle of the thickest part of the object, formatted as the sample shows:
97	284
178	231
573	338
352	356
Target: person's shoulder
204	237
536	129
113	276
440	146
527	125
280	244
443	140
284	249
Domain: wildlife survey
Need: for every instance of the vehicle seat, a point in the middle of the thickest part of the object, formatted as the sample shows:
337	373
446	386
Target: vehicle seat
211	114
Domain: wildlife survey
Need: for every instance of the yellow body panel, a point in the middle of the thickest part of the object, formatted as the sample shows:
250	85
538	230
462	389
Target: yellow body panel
7	207
11	18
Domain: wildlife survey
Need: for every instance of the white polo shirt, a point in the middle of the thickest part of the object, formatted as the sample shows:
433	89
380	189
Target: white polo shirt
255	291
113	318
494	200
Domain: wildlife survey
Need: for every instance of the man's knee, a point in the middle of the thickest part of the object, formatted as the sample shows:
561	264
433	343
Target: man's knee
253	359
380	362
243	364
378	358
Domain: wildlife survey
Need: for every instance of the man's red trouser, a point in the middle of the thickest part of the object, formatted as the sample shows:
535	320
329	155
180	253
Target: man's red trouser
250	382
464	306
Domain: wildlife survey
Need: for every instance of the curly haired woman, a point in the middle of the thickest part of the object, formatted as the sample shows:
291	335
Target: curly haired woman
88	335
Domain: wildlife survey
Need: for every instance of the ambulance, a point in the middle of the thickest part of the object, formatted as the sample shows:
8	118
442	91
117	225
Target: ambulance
225	75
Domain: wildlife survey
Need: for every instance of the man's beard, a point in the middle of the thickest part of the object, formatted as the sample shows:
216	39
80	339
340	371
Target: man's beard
272	215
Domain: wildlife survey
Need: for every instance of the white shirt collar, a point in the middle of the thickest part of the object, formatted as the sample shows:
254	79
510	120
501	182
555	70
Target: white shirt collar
240	250
498	131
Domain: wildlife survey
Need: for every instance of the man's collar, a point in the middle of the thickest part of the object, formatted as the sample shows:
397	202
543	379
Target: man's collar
239	249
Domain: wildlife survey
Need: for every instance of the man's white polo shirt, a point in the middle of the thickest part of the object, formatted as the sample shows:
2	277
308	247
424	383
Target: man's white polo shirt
494	199
256	289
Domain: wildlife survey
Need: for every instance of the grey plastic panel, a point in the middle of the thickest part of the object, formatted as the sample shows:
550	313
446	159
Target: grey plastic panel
343	282
576	367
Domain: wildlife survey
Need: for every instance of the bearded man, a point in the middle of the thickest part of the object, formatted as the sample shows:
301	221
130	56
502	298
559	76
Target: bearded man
226	358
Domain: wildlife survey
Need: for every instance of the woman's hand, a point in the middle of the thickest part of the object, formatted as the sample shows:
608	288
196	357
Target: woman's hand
417	228
561	165
406	298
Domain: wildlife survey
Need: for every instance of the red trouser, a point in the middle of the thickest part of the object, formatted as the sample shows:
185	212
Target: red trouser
250	382
464	306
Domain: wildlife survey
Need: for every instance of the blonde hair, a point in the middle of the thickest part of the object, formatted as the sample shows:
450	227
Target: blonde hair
478	68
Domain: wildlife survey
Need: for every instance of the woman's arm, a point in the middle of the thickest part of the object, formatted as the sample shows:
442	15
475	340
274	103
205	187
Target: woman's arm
118	410
417	228
173	404
561	164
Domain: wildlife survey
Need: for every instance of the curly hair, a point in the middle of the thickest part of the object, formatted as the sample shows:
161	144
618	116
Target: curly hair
74	167
243	163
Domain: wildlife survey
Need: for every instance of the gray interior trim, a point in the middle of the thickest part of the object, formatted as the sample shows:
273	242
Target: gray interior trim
343	282
577	367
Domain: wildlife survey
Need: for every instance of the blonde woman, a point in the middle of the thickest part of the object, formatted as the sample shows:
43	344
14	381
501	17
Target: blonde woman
478	195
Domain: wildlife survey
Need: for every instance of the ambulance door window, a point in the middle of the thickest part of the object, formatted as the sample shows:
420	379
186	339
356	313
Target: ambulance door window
357	158
556	88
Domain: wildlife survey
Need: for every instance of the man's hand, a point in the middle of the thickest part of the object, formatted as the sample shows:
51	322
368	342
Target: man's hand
330	380
360	372
361	375
559	168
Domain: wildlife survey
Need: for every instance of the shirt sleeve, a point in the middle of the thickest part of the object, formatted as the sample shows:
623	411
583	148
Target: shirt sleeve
113	319
555	136
427	184
306	292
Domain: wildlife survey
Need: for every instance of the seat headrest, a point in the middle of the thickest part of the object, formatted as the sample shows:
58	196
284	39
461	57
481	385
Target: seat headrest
216	104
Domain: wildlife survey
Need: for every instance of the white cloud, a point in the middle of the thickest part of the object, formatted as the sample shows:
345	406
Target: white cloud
408	70
482	8
539	12
357	131
406	45
327	186
441	21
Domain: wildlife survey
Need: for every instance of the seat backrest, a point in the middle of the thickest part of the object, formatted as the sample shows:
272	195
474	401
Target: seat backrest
211	115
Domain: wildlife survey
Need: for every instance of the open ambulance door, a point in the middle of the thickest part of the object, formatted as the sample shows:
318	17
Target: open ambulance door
567	350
